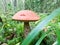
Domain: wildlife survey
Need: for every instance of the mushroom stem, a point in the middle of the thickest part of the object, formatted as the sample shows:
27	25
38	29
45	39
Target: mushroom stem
26	28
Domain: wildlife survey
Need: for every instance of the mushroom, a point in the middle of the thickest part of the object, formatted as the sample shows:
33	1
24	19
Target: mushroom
26	16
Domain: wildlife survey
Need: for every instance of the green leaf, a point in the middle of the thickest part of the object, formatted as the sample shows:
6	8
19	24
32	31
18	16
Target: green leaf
41	38
39	27
58	34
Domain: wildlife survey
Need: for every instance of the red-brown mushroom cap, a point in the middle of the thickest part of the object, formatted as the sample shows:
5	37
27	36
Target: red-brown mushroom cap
26	15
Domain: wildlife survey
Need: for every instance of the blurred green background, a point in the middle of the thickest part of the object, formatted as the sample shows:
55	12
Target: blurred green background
11	32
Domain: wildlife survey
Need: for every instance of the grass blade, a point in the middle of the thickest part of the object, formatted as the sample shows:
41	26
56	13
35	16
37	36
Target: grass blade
41	38
39	27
